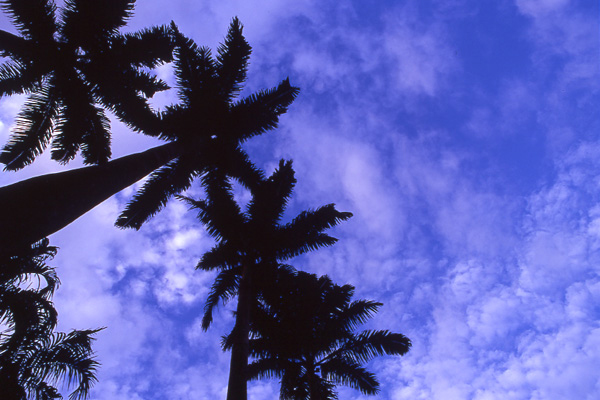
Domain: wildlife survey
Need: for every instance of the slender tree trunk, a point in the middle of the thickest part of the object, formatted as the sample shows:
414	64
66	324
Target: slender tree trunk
34	208
312	386
240	351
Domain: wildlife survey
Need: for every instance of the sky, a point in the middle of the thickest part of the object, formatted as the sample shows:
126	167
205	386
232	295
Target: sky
464	137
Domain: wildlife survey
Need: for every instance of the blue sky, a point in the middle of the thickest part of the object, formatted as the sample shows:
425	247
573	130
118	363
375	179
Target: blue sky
462	134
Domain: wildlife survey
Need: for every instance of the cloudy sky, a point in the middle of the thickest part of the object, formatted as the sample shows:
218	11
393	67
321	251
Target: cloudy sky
462	134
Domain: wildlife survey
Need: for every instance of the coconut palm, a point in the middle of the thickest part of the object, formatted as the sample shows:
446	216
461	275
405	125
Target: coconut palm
303	332
209	124
251	247
33	359
72	64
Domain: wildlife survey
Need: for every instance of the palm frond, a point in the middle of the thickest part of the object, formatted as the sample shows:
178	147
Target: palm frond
265	368
259	113
223	255
34	19
304	233
224	288
81	125
349	373
318	220
149	47
236	163
220	215
124	90
43	391
195	72
232	61
86	22
294	384
271	196
291	245
172	179
357	313
68	357
30	315
14	79
370	344
33	129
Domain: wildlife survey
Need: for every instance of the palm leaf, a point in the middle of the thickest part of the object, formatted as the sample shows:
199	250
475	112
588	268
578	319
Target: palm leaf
118	90
67	357
357	313
259	113
232	61
265	368
195	72
221	215
80	124
33	128
370	344
223	255
224	288
149	47
348	372
86	22
15	78
234	162
172	179
34	19
303	234
271	197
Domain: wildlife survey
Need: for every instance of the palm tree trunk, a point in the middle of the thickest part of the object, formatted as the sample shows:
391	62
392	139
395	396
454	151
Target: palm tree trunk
34	208
238	368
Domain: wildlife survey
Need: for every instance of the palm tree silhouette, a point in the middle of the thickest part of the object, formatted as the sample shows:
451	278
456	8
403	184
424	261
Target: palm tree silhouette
72	65
198	137
303	333
251	247
209	124
33	359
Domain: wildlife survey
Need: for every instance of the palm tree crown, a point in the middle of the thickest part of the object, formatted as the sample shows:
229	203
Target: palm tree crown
255	239
209	123
251	247
33	359
303	333
72	65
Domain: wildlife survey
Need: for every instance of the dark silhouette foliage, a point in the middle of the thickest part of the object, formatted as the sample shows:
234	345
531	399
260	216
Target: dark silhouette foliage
303	332
73	64
33	359
251	249
208	123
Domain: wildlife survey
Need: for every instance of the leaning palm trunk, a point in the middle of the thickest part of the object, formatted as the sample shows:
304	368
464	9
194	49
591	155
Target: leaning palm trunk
37	207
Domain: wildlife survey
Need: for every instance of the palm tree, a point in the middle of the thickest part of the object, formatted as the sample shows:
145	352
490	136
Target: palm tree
303	334
41	206
33	359
251	247
209	124
72	65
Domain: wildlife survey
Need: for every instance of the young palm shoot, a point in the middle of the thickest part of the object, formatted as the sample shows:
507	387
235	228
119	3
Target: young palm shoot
251	248
303	332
